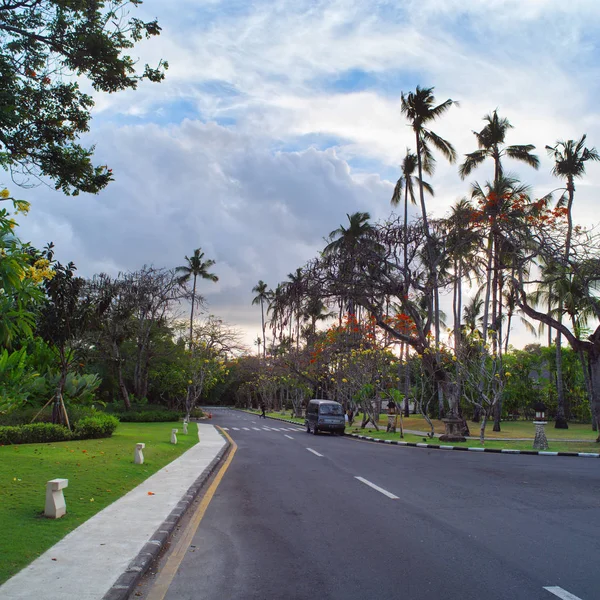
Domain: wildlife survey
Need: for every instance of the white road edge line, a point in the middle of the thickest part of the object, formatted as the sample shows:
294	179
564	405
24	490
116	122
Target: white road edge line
289	437
314	452
376	487
560	593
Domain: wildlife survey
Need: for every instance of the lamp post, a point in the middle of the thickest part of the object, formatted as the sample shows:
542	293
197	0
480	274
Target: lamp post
540	442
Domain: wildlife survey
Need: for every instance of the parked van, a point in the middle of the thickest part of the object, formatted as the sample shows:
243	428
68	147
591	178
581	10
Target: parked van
325	415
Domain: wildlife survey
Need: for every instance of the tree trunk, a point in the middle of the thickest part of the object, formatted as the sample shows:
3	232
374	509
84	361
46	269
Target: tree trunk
594	362
561	419
58	414
192	313
122	386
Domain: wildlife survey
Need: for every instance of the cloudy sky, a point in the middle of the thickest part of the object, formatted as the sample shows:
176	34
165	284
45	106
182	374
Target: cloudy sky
277	118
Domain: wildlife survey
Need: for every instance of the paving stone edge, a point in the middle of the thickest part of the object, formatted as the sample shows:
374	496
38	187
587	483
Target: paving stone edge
127	581
444	447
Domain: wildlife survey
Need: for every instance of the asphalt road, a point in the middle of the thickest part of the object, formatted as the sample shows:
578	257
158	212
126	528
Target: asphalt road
290	520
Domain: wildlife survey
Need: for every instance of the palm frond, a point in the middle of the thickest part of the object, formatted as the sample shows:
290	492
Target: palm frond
398	189
444	146
523	154
472	161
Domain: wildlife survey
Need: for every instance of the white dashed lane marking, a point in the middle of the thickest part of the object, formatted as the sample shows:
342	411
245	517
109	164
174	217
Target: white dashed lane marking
314	452
288	436
376	487
560	593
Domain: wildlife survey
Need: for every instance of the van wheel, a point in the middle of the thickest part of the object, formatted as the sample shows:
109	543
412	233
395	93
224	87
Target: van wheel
315	429
308	428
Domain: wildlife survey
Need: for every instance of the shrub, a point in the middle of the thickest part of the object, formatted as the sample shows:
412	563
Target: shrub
196	413
34	433
23	416
149	416
98	426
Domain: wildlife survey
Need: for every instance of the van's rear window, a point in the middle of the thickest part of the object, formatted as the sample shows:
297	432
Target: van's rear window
331	409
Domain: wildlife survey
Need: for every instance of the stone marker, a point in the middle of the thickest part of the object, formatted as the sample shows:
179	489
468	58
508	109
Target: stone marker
185	425
174	436
56	506
138	458
540	441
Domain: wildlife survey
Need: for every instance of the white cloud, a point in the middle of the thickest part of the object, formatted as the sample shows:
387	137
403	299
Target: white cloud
270	67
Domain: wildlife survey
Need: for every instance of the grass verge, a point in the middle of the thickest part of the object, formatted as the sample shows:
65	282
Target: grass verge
580	446
99	472
510	429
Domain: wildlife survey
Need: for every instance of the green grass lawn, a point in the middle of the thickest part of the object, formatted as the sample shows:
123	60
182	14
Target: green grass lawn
510	429
99	472
582	446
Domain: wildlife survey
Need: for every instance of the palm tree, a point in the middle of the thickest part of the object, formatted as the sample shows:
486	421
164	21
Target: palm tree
262	295
195	267
491	141
294	288
419	108
346	240
502	205
406	184
569	163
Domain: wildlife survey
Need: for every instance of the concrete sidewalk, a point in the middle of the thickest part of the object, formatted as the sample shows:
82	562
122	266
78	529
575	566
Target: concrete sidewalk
115	545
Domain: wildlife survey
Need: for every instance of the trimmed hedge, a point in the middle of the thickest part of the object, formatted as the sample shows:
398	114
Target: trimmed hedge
98	426
34	433
150	416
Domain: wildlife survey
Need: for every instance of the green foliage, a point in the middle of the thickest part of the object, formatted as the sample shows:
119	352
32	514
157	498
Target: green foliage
45	45
19	278
98	426
26	414
33	433
149	416
79	388
197	413
17	380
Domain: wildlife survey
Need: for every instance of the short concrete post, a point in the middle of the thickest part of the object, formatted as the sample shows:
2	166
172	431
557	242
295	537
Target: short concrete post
540	442
56	506
185	426
138	458
174	436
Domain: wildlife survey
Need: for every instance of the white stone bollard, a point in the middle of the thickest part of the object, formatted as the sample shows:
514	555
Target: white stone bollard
174	436
138	458
56	506
185	425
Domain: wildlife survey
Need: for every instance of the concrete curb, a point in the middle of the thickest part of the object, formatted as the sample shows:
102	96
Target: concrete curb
443	447
125	584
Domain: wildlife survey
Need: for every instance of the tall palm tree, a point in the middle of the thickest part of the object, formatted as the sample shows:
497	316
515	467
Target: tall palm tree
195	267
262	295
502	205
406	183
491	145
420	110
569	163
294	287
